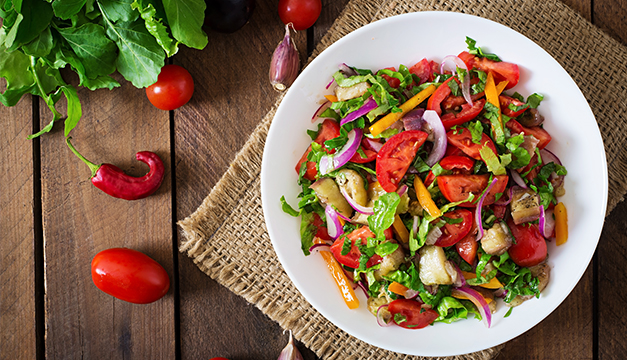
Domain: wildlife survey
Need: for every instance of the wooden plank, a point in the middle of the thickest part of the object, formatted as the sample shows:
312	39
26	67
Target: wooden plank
612	256
79	221
17	260
232	94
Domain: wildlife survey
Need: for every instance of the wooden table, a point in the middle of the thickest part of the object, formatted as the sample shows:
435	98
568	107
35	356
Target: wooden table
53	221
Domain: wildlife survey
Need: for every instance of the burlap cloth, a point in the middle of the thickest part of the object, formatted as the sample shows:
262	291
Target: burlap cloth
232	210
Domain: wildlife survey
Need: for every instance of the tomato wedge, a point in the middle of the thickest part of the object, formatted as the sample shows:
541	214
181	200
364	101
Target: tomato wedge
370	153
463	140
412	314
501	70
467	248
458	187
459	164
452	233
352	258
537	132
396	155
530	247
441	93
330	129
466	114
424	69
505	101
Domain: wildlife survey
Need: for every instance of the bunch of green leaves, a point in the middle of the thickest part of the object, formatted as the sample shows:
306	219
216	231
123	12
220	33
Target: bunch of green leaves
94	38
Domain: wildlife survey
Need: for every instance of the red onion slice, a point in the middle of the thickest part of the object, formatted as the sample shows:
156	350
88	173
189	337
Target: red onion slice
402	190
329	163
439	133
375	145
368	106
549	157
518	179
362	286
319	247
478	300
384	317
433	236
361	209
505	200
547	222
461	280
320	110
346	70
334	228
413	119
414	226
466	83
478	209
330	83
411	294
345	218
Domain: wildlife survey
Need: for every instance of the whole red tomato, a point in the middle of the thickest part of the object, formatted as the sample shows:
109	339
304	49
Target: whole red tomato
173	89
301	13
129	275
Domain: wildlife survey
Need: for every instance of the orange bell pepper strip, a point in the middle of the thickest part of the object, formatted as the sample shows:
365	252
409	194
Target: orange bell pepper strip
493	284
561	224
424	198
340	278
331	98
397	288
463	296
400	229
389	119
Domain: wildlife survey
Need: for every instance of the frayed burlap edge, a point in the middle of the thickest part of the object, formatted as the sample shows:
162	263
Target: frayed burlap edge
226	197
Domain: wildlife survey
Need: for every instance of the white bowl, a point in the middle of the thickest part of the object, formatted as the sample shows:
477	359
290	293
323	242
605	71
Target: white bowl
406	39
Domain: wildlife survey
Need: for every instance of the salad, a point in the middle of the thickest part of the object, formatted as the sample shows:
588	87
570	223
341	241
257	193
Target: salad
431	189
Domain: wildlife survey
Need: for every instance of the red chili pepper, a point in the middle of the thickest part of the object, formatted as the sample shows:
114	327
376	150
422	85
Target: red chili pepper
113	181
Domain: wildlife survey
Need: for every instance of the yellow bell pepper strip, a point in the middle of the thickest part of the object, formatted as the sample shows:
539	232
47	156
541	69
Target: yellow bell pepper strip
561	224
424	198
493	284
400	229
500	87
331	98
389	119
340	278
492	93
397	288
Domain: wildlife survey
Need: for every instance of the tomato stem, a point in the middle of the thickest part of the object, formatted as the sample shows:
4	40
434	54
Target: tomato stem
93	167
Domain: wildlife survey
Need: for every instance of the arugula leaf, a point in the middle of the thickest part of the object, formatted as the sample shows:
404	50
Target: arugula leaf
64	9
153	14
307	232
96	52
41	45
15	68
141	58
33	17
118	10
521	155
477	51
534	100
74	109
492	113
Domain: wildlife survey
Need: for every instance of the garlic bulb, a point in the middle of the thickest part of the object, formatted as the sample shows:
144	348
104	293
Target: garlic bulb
290	352
285	62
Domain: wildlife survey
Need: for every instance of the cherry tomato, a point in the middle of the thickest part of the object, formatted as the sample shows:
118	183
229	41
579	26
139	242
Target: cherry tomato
466	114
462	138
501	70
129	275
467	247
394	82
504	102
330	129
415	316
396	155
441	93
530	248
301	13
537	132
228	16
425	69
352	258
458	187
452	233
173	89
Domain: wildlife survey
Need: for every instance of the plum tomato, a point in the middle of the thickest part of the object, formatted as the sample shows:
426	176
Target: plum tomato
173	89
228	16
129	275
301	13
